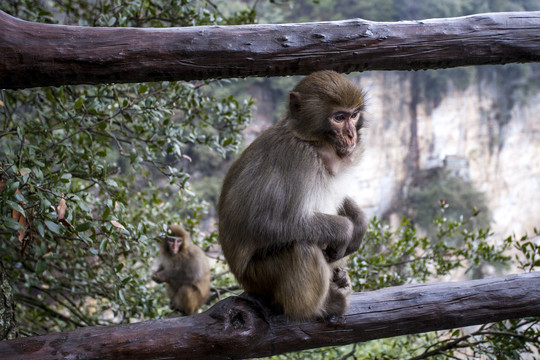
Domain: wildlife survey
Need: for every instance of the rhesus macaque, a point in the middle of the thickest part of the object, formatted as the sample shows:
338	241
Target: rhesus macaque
185	271
286	224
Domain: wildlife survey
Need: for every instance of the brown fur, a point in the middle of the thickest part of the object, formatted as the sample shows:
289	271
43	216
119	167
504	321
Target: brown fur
286	224
186	274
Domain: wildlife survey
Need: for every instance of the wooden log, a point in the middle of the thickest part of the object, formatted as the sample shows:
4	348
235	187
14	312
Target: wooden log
33	54
241	327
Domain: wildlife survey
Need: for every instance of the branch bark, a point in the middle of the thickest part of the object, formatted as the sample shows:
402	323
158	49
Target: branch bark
33	54
241	327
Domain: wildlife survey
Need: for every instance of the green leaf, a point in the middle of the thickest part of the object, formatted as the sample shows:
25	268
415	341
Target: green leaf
20	197
20	132
40	267
86	239
13	186
78	103
40	229
111	183
10	223
55	228
121	295
103	245
83	227
49	95
84	206
65	178
143	88
37	162
15	206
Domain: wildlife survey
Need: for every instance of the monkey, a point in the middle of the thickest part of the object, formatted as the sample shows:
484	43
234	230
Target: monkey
185	271
286	223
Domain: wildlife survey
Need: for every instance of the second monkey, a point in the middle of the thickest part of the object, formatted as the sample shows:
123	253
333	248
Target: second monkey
185	271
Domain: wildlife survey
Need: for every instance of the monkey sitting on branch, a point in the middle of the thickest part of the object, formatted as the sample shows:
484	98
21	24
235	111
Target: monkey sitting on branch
286	223
185	271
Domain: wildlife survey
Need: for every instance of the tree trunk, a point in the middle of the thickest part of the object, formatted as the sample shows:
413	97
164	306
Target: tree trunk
242	327
33	54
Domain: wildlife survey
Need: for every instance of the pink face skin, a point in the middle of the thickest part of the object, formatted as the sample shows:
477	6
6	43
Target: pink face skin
174	244
344	123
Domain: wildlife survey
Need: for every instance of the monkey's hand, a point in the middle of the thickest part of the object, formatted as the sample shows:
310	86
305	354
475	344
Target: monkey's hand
356	215
333	253
157	277
331	233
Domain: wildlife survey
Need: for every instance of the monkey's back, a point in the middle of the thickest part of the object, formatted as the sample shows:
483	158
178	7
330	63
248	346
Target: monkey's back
266	186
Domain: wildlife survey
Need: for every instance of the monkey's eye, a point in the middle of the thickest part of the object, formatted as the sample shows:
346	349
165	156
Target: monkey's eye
339	117
355	114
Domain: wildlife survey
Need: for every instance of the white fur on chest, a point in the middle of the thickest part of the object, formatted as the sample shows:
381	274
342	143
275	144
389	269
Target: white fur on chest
328	193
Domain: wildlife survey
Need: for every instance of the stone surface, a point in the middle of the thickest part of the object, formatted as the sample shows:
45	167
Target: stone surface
504	163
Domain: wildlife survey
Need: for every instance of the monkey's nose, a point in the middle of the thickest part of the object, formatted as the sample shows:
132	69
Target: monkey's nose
350	134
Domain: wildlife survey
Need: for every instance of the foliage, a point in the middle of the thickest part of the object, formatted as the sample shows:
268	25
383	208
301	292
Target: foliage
526	250
91	174
438	184
390	257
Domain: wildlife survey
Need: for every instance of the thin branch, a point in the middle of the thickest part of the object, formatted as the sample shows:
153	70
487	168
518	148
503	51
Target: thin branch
32	302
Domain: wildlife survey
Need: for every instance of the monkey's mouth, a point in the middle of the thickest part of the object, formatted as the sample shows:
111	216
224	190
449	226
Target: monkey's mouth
344	145
344	151
344	148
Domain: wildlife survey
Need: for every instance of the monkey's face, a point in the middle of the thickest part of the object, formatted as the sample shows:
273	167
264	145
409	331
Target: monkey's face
175	244
343	130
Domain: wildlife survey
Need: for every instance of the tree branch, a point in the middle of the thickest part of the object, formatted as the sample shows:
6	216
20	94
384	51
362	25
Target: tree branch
33	54
243	326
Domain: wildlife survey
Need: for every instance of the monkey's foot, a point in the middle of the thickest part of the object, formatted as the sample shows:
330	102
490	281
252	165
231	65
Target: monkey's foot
339	293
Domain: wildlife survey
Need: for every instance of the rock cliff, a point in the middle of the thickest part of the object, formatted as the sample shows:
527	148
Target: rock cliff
501	158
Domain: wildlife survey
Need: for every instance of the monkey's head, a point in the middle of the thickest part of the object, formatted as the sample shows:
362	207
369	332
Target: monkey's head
177	241
327	107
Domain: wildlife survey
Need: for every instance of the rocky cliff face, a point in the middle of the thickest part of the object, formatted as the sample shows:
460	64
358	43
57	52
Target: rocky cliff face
463	132
502	158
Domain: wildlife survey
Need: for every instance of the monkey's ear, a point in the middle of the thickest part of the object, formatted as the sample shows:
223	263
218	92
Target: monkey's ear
294	103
